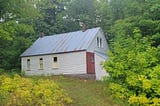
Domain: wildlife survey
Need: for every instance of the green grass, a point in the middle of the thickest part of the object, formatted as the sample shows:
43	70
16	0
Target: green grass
85	92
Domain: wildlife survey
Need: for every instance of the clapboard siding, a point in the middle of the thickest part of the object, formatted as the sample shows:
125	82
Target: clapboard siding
70	49
68	63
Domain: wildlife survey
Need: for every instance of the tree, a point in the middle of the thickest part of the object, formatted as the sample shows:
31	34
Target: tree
147	27
50	13
17	9
117	8
134	58
15	38
104	17
82	11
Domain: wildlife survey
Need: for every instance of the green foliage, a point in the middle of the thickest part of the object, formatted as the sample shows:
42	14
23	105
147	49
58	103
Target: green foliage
82	11
134	61
148	9
126	26
14	38
24	91
17	9
104	17
134	69
131	26
49	10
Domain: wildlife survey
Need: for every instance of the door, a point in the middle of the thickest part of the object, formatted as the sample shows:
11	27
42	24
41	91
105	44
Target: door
90	63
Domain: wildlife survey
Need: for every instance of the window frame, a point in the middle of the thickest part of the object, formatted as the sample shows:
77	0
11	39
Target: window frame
28	64
41	67
101	42
55	62
97	41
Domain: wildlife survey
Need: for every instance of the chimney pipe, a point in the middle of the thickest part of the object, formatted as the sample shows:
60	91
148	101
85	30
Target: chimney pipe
41	35
83	27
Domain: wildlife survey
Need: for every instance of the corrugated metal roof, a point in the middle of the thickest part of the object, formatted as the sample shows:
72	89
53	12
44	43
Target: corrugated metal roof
59	43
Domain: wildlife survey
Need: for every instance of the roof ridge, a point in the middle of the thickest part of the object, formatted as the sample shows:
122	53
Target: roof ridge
71	32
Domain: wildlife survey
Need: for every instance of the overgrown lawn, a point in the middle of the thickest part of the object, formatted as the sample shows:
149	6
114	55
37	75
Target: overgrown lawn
85	92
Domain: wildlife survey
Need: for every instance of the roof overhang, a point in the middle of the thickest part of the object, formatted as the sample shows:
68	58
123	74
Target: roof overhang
103	55
54	53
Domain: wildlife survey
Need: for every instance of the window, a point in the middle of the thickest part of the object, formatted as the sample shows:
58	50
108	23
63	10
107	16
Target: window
40	63
28	64
55	62
99	42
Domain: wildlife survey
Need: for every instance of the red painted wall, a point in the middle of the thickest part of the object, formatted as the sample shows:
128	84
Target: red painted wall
90	63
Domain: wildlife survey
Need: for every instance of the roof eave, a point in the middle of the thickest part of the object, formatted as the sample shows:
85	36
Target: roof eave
52	53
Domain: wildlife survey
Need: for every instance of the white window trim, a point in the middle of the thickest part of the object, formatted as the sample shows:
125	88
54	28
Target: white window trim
99	42
41	68
55	64
28	64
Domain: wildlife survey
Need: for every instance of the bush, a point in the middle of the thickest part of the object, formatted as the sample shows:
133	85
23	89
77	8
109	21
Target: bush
18	91
2	71
134	69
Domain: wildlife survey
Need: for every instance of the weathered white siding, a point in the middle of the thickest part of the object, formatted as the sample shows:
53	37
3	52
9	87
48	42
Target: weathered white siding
93	47
68	63
99	70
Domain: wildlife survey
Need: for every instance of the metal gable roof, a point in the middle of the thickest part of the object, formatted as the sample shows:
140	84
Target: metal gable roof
60	43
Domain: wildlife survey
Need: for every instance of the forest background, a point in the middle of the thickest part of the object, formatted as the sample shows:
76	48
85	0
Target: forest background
131	27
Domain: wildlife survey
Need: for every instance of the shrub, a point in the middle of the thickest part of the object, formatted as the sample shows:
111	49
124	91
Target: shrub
134	69
18	91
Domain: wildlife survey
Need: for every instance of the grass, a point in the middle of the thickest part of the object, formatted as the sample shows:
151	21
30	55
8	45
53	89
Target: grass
85	92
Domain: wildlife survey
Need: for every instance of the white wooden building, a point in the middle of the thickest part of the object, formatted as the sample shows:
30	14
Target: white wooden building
77	53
